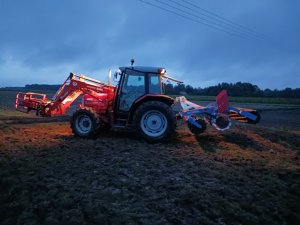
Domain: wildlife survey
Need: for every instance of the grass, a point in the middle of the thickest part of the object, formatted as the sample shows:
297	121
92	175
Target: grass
281	101
7	99
7	113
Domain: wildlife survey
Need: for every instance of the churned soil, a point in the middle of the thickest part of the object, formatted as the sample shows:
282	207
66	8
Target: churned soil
246	175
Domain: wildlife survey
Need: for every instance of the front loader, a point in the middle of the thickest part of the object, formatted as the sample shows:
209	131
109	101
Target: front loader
137	103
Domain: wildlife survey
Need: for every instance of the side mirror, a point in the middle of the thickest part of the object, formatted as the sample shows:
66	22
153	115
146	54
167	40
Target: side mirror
116	76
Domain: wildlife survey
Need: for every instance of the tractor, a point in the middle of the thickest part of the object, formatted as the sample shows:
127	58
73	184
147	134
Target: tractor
137	102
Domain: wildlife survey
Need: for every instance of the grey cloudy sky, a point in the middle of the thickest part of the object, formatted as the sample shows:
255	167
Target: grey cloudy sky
42	41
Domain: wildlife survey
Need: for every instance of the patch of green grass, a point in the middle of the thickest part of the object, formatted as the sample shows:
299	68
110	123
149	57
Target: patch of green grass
8	98
281	101
6	113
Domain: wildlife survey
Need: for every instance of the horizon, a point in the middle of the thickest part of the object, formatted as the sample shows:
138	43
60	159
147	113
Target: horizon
233	83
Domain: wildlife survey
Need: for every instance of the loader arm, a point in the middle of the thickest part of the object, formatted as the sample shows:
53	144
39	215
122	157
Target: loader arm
71	89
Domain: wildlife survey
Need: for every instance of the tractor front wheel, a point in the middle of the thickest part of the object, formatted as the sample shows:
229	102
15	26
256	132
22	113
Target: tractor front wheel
85	123
154	121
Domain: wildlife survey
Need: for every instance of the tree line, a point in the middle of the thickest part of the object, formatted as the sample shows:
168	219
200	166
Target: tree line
238	89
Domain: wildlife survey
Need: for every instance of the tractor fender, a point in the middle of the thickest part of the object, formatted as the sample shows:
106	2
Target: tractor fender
149	97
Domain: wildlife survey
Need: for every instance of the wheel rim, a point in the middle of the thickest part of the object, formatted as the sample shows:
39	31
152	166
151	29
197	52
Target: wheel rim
83	124
154	123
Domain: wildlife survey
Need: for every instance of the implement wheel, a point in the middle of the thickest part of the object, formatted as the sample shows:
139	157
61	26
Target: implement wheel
85	123
197	130
154	121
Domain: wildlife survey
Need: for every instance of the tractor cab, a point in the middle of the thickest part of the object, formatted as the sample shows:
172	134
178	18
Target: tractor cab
136	82
140	102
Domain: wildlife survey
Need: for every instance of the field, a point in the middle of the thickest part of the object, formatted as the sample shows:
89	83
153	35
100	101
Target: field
249	174
260	100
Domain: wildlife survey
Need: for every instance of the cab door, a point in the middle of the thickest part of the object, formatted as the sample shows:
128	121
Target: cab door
133	87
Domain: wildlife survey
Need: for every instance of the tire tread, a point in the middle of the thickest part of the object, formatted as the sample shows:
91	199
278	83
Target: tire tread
162	107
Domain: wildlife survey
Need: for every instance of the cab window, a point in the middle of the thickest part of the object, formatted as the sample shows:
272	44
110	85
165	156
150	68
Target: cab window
154	84
133	88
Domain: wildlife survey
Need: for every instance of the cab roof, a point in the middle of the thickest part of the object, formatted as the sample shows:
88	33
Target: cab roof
144	69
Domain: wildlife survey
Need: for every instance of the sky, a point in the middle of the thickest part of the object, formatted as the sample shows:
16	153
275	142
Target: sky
201	42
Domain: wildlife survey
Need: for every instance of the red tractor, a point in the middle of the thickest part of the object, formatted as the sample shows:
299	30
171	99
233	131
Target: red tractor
137	102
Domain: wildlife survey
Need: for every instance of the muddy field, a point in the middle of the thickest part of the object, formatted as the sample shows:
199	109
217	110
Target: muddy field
246	175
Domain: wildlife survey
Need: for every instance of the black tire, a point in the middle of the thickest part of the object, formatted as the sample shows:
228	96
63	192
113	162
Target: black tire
85	123
197	130
154	121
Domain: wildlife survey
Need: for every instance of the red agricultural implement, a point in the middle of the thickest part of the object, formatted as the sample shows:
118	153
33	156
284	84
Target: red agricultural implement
137	102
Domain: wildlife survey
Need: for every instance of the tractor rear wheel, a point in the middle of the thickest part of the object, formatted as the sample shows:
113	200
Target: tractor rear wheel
85	123
154	121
